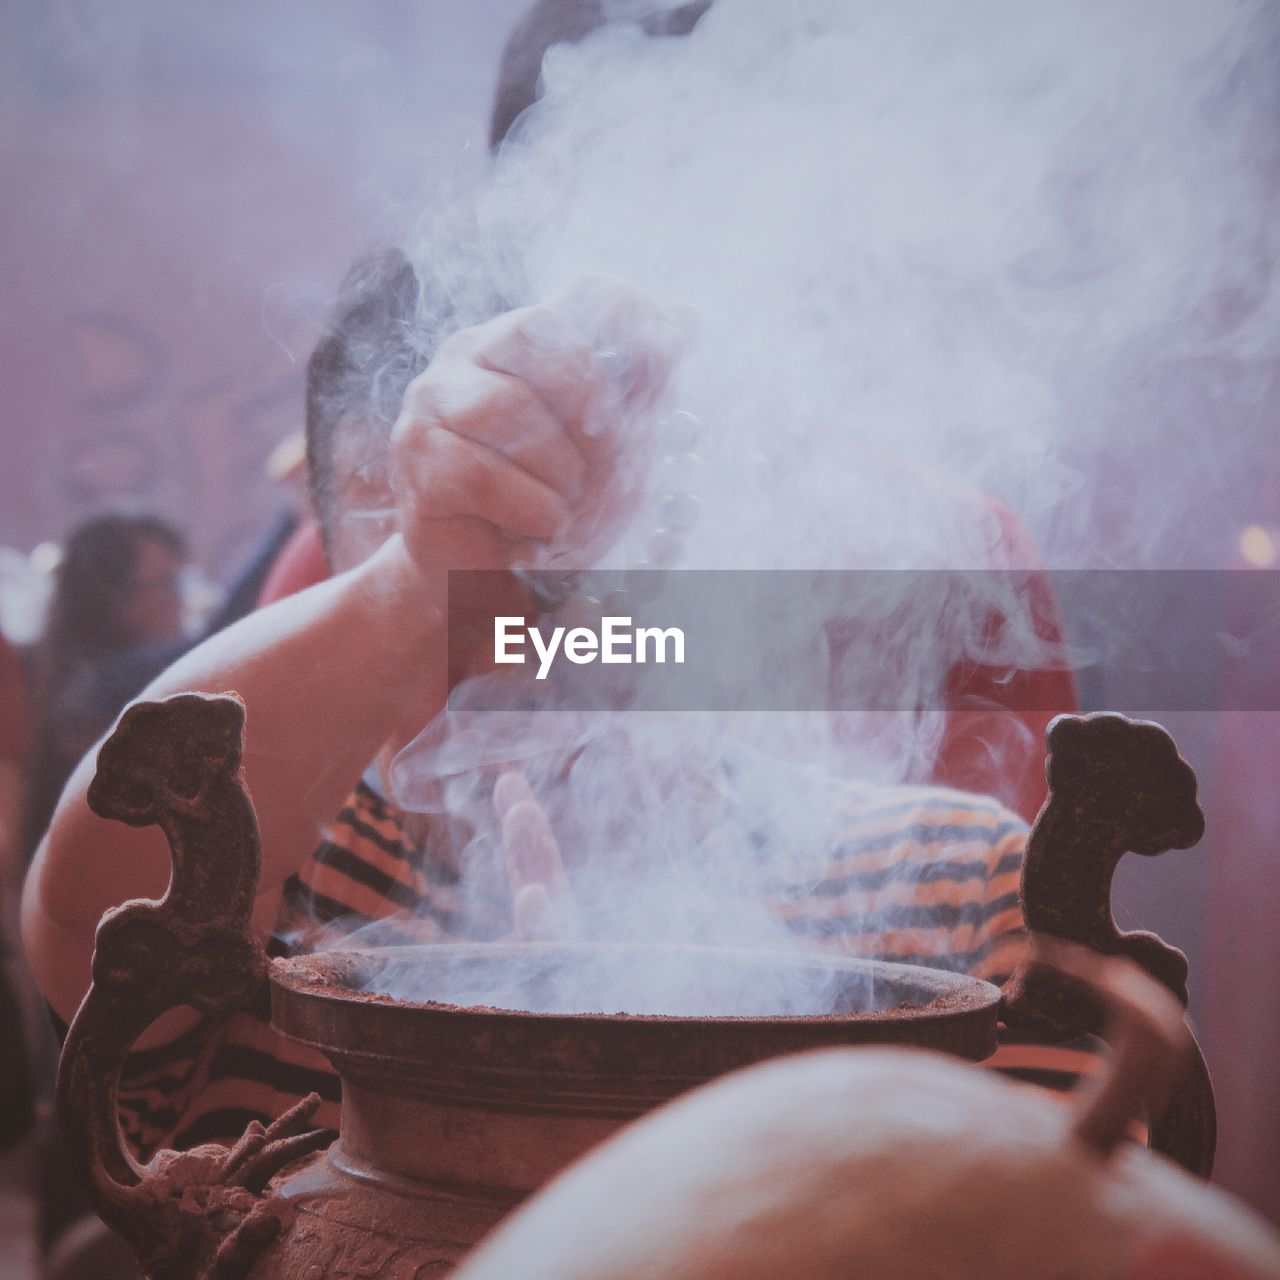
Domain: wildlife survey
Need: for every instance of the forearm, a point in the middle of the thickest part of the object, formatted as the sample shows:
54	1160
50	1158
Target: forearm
325	676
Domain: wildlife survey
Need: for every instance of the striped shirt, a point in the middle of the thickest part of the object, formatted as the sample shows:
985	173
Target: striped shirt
916	875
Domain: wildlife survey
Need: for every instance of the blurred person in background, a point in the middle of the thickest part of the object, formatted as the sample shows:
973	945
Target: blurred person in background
117	601
127	670
116	615
15	1078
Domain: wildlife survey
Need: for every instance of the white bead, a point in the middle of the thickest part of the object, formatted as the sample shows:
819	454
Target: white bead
681	431
680	510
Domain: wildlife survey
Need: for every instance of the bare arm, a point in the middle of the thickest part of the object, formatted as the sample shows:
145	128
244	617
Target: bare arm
491	456
324	676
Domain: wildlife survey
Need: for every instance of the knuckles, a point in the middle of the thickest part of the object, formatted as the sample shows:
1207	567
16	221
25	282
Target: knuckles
542	346
455	477
494	375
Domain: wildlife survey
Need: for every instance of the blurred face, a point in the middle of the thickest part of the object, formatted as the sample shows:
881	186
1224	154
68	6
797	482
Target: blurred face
150	609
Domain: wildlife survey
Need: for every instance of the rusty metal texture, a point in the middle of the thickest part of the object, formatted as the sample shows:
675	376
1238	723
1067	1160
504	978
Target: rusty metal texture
452	1116
1116	786
176	764
599	1064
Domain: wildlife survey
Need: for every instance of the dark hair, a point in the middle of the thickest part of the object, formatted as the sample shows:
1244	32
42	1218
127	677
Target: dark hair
359	370
552	22
98	563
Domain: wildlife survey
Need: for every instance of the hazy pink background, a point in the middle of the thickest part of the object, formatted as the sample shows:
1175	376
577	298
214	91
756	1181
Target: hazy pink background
184	188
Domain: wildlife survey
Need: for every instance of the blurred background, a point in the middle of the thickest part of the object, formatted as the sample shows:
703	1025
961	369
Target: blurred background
185	186
183	192
184	189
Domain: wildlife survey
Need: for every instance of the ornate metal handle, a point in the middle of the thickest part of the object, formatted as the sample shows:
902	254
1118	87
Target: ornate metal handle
1116	786
176	764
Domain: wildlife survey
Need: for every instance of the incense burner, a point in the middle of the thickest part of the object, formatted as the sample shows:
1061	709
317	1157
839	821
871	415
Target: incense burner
453	1112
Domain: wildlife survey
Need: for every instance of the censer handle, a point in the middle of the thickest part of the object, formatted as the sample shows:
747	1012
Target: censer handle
1116	786
1149	1038
176	764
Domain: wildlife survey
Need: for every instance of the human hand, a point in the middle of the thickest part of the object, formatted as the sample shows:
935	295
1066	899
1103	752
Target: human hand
542	905
519	445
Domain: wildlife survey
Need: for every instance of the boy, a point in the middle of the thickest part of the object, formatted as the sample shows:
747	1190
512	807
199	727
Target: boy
494	449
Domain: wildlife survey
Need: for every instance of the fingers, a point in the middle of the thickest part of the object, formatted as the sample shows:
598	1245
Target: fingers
598	348
509	790
542	901
494	408
636	341
536	345
533	857
459	542
450	476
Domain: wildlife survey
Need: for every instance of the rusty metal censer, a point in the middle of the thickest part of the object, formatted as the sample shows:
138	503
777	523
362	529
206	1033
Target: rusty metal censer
454	1114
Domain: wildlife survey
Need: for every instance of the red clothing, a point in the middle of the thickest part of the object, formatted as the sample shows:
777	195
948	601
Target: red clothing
302	563
993	743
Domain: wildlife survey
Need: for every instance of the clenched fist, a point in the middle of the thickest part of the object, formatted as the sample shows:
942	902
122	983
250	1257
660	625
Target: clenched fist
519	446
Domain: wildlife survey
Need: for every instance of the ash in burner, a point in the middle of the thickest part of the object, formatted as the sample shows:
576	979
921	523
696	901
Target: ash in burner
683	982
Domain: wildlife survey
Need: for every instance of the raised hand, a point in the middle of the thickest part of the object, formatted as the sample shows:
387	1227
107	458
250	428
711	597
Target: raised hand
519	445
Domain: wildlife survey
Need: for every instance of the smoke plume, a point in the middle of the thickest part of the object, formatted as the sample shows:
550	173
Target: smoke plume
949	261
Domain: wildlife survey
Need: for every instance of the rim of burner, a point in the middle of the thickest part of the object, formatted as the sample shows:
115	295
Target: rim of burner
593	1064
944	993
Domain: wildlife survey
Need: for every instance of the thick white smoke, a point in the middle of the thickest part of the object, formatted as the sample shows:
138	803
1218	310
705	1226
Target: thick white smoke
942	253
962	238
